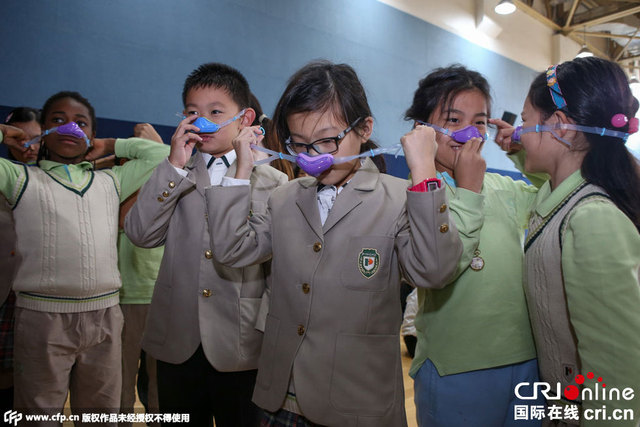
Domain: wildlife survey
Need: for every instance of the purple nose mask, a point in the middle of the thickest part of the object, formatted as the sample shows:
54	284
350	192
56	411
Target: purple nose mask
314	165
464	135
70	129
461	136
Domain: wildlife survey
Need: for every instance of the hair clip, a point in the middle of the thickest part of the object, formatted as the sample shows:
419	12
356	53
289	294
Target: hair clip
554	88
8	117
619	120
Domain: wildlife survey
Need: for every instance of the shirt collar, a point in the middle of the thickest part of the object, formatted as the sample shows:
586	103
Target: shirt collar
230	156
48	165
548	200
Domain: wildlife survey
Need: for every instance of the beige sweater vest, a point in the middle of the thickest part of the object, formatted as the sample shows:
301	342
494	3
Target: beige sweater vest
67	241
544	287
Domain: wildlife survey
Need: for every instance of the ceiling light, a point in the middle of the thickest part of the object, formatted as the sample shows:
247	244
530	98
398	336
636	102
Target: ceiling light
505	7
584	52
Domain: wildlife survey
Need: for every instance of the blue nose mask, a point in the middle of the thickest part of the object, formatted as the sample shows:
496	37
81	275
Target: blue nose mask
207	126
462	135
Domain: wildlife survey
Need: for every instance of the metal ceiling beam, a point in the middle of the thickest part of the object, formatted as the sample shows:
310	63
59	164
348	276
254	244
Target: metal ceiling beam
605	18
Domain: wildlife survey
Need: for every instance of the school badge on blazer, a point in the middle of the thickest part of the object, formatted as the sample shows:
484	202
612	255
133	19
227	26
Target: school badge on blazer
368	262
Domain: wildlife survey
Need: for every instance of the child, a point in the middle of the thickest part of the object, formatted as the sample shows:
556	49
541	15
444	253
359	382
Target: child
139	271
583	248
474	332
68	323
27	119
201	321
339	241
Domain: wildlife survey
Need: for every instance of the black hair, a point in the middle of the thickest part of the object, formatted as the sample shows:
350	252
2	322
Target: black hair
44	152
221	76
73	95
320	86
269	140
22	115
595	89
441	87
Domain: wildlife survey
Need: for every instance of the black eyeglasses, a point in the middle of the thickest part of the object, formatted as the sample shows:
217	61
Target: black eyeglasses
320	146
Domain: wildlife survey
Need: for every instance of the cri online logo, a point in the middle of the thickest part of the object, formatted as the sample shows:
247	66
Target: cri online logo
571	392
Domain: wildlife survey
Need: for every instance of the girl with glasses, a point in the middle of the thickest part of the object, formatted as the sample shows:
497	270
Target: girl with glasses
340	242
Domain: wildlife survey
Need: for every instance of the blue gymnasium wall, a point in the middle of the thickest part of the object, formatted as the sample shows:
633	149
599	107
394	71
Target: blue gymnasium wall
130	58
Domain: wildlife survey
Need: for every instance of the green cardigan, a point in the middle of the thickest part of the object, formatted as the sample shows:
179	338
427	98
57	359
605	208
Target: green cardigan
480	319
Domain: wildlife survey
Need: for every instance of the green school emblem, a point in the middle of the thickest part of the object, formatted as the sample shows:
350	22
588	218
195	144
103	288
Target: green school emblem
368	262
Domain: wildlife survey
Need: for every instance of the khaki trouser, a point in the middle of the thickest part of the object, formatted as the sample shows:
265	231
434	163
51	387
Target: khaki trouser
135	319
56	353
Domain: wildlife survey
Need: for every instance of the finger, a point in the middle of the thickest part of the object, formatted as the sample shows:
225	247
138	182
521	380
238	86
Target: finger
476	144
189	138
500	123
468	146
189	119
456	159
193	137
91	155
189	128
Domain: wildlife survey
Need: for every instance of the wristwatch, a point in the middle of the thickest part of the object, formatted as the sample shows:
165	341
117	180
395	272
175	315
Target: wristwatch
427	185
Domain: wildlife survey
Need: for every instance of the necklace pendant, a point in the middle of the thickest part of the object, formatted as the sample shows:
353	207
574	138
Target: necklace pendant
477	262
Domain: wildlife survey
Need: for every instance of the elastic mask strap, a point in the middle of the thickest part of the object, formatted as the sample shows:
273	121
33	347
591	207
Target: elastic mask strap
450	133
540	129
275	155
47	132
232	119
36	139
553	132
394	149
585	129
436	127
